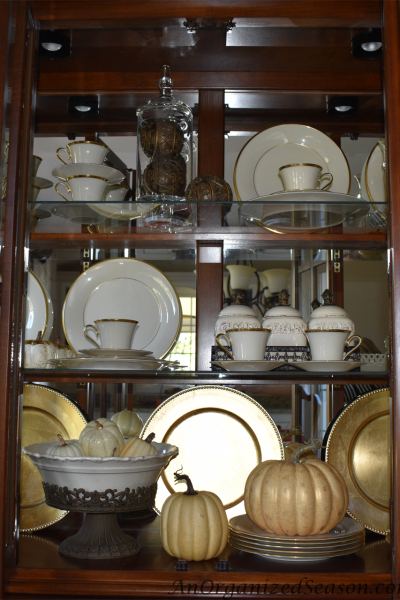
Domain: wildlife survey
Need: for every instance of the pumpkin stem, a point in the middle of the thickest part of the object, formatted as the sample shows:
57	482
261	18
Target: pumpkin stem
190	490
295	430
150	438
113	452
313	444
60	437
99	425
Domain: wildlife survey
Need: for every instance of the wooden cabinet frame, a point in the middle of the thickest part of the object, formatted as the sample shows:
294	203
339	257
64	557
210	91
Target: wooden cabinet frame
158	578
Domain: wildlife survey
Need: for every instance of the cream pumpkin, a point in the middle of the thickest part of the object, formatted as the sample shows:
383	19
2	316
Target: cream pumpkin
293	498
135	446
100	437
69	448
194	525
129	422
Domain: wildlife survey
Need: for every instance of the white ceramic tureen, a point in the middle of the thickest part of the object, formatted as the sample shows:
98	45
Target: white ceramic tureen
328	316
236	316
286	324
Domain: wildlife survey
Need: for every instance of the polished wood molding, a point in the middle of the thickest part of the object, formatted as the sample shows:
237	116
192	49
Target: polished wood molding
119	82
237	237
114	13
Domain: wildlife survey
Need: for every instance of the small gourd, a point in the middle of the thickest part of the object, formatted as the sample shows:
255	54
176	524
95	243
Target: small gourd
135	446
99	438
194	525
294	498
129	422
70	448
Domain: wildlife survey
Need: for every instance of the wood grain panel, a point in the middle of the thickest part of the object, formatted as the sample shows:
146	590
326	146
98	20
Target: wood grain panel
392	91
351	12
104	82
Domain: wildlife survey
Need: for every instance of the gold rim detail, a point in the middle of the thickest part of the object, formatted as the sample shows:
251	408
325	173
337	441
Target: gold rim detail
367	186
146	263
45	300
116	320
300	165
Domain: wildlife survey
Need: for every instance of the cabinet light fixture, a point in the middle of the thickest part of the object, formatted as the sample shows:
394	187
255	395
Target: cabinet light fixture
54	45
367	45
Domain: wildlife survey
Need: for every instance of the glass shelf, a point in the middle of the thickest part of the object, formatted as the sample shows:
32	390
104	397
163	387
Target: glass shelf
304	213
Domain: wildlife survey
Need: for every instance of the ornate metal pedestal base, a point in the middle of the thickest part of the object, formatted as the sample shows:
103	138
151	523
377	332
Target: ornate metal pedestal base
99	537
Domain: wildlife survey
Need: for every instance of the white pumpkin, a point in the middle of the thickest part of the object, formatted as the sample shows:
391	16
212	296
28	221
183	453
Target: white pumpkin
129	422
194	525
69	448
294	498
100	437
135	446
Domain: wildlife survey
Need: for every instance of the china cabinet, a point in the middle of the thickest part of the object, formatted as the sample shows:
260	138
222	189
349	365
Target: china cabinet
242	66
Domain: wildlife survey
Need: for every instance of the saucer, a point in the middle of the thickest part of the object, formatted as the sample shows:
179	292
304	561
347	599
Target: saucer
254	366
327	366
114	353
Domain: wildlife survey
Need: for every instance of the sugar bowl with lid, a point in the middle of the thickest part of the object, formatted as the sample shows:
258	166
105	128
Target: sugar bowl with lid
286	324
329	316
236	316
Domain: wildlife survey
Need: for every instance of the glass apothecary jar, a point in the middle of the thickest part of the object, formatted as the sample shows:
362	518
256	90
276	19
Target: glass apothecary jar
164	145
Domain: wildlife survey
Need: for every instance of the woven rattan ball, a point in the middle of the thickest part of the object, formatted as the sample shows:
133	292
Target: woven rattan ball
166	176
161	137
208	188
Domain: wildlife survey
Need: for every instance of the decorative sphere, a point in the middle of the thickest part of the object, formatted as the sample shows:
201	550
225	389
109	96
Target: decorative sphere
166	176
208	188
161	137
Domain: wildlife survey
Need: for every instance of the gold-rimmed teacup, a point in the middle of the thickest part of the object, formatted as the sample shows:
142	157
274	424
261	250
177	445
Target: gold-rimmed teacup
303	176
84	188
246	343
112	333
328	344
84	152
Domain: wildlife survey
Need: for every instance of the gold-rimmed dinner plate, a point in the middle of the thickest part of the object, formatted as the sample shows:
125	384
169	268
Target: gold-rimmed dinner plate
359	447
256	169
303	548
125	288
222	434
45	413
39	309
373	180
347	528
319	555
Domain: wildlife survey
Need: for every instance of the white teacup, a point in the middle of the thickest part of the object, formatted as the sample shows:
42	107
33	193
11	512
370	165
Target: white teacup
115	193
113	333
328	344
84	188
303	176
247	344
84	152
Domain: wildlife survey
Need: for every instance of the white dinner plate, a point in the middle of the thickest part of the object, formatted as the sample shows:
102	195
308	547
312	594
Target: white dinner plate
254	366
126	299
111	353
256	169
114	364
125	211
302	211
156	306
39	309
373	180
65	171
328	366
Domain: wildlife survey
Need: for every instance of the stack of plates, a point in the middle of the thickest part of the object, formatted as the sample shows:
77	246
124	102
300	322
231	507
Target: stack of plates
345	538
110	359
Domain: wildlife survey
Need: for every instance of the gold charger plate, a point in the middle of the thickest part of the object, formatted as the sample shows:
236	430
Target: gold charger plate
222	434
45	413
359	447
